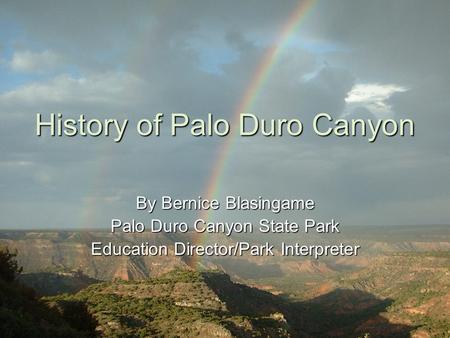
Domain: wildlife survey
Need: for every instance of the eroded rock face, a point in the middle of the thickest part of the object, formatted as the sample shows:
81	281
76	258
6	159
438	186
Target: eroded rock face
390	290
62	251
183	304
56	251
397	295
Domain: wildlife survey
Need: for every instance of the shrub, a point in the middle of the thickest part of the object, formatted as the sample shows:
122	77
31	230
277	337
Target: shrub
9	268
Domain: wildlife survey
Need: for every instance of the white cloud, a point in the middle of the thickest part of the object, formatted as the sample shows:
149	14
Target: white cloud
35	62
16	163
99	88
373	96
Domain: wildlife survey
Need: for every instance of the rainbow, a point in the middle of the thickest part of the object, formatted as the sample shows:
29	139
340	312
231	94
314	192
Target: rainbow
259	78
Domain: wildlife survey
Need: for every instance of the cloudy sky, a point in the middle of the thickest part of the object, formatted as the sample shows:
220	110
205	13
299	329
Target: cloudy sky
367	59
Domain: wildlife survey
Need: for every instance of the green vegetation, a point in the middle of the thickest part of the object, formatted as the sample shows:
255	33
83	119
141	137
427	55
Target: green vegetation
54	283
387	293
416	285
23	315
180	303
9	268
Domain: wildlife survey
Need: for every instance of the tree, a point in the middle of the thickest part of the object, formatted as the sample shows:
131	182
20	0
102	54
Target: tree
9	268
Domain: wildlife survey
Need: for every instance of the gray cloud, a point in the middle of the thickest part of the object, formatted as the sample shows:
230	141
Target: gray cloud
135	60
